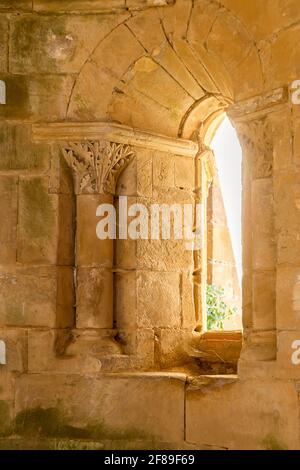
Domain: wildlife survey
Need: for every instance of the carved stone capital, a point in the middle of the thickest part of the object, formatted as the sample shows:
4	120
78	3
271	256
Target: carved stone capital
256	140
96	165
207	157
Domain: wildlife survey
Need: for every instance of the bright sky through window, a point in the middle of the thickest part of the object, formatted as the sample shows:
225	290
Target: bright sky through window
228	155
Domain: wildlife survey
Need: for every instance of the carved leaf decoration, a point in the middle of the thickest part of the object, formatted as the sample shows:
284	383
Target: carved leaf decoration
96	166
115	159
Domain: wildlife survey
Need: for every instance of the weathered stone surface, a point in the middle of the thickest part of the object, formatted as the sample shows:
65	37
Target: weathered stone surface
37	222
37	297
237	407
296	128
144	173
158	292
142	80
288	298
235	37
94	298
287	355
148	28
287	206
118	51
174	347
126	300
63	351
164	255
282	139
203	15
8	212
61	38
16	350
184	172
163	171
90	250
250	85
22	5
36	97
145	410
89	307
264	301
7	385
18	153
263	225
187	302
4	45
281	68
78	6
259	346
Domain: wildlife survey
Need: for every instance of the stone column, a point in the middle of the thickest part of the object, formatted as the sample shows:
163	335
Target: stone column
204	172
253	121
96	166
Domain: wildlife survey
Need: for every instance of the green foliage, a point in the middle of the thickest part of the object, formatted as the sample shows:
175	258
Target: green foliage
217	310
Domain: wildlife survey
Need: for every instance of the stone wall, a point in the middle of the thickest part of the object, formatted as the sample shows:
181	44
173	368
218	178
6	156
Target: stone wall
88	328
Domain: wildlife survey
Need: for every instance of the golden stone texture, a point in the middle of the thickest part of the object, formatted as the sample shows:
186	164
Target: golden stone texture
104	339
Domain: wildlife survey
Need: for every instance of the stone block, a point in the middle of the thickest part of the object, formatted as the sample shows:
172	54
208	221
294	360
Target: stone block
144	173
66	230
287	207
90	250
125	254
63	351
61	37
37	296
174	347
94	6
164	255
264	301
145	410
163	171
127	181
126	308
144	349
288	354
263	248
7	384
38	228
259	346
237	407
251	83
158	299
8	216
228	30
280	67
16	350
288	298
18	153
36	97
61	179
184	172
119	50
94	298
201	21
282	127
296	146
4	44
18	5
187	301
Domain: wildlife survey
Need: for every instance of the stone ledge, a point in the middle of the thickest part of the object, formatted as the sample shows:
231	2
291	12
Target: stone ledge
95	6
71	131
258	105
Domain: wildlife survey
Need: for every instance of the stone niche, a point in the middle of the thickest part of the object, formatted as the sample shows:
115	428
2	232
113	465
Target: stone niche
136	300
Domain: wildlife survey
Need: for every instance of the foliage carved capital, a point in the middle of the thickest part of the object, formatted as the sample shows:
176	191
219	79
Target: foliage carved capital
96	165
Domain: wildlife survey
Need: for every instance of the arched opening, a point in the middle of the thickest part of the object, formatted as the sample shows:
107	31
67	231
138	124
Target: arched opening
224	233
